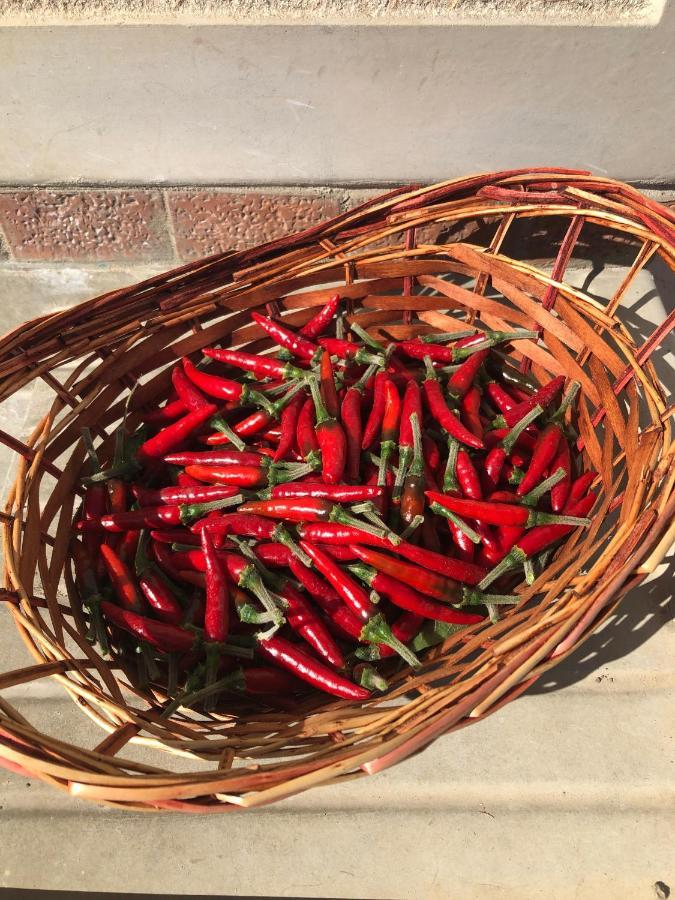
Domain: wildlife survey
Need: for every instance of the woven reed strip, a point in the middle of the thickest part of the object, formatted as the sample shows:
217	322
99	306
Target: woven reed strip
140	330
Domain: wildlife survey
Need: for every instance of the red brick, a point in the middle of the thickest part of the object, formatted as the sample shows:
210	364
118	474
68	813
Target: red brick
85	225
207	222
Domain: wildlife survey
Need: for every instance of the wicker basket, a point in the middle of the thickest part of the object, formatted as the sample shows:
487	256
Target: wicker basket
403	261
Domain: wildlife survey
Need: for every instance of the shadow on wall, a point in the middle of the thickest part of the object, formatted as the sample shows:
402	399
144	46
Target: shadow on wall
642	612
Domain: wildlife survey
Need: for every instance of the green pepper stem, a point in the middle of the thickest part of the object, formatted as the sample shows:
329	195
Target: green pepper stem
567	400
250	579
449	476
417	466
369	678
365	378
511	437
412	527
377	631
476	597
369	510
535	495
541	518
88	442
322	414
497	337
337	514
282	536
365	337
515	557
529	571
429	369
432	633
500	422
218	423
191	511
446	336
472	535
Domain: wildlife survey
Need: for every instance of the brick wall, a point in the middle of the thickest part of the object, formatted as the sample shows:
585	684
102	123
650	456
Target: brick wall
138	225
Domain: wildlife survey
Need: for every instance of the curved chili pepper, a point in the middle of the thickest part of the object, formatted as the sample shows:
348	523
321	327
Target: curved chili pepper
302	619
412	498
536	540
161	635
461	381
467	476
160	597
470	405
217	613
543	454
374	422
155	448
540	399
261	366
327	384
200	493
498	513
308	445
331	438
296	344
403	596
347	350
429	583
165	414
295	660
340	493
289	422
561	491
443	415
499	396
320	322
350	592
580	486
122	579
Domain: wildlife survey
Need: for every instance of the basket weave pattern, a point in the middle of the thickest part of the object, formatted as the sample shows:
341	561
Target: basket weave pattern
403	262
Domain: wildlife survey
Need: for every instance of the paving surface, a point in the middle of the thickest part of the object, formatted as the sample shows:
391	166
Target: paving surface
567	792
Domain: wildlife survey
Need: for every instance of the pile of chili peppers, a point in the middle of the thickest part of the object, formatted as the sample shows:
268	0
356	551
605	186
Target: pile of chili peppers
309	517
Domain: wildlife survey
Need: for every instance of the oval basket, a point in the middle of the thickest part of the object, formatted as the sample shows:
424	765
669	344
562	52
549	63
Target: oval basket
403	261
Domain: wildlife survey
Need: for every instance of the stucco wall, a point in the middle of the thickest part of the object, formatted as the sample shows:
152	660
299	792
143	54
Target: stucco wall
308	104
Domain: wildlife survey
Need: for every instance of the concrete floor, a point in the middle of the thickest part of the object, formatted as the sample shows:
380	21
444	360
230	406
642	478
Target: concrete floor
567	792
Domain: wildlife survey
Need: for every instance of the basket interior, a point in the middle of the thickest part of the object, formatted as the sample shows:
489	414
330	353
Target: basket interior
572	256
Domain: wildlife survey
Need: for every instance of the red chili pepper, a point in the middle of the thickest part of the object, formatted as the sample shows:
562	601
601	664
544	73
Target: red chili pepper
374	423
160	597
536	540
165	414
165	559
390	428
349	591
580	486
328	389
161	635
274	554
561	491
412	404
289	422
183	480
496	513
331	439
262	680
93	507
443	415
543	454
308	445
175	536
435	352
432	454
340	493
155	448
347	350
341	535
412	498
352	422
303	619
242	476
471	411
410	600
122	579
177	495
541	398
295	660
524	442
468	477
128	546
296	344
461	381
261	366
499	396
320	322
217	614
429	583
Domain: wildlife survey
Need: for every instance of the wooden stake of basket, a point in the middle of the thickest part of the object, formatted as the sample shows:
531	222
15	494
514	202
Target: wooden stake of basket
403	260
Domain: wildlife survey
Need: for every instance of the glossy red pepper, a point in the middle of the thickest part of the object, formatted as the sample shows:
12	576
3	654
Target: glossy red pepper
467	476
296	344
331	439
313	328
352	422
347	350
161	635
289	423
543	455
123	581
307	443
155	448
390	428
241	476
168	413
443	415
496	513
217	613
304	620
176	495
470	405
461	381
261	366
540	399
499	396
274	554
430	583
561	491
412	498
580	486
340	493
160	597
327	385
374	422
175	536
403	596
307	668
